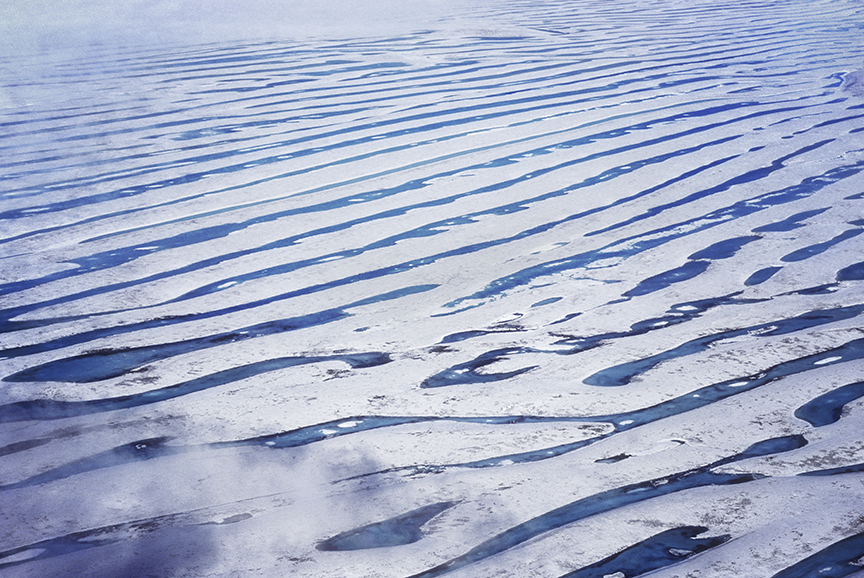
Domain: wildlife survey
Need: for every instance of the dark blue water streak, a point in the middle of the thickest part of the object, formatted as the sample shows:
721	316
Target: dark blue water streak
23	446
622	374
816	249
157	447
548	301
853	272
49	409
136	451
108	363
467	373
761	276
790	223
831	122
396	531
678	313
527	457
663	280
80	541
614	499
724	249
658	551
850	469
828	407
463	335
836	561
850	351
332	429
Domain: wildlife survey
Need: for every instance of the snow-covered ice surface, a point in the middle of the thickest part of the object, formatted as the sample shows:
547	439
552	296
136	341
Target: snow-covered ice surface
546	289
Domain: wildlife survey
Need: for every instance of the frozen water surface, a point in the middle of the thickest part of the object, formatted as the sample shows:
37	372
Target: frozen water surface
473	289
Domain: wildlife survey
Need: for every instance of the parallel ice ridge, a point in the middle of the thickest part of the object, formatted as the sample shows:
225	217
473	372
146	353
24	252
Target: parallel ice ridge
572	290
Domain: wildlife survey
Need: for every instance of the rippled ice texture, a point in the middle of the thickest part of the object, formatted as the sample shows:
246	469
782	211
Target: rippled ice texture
495	289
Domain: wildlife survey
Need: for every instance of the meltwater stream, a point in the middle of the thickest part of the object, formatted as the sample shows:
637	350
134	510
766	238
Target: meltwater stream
554	289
